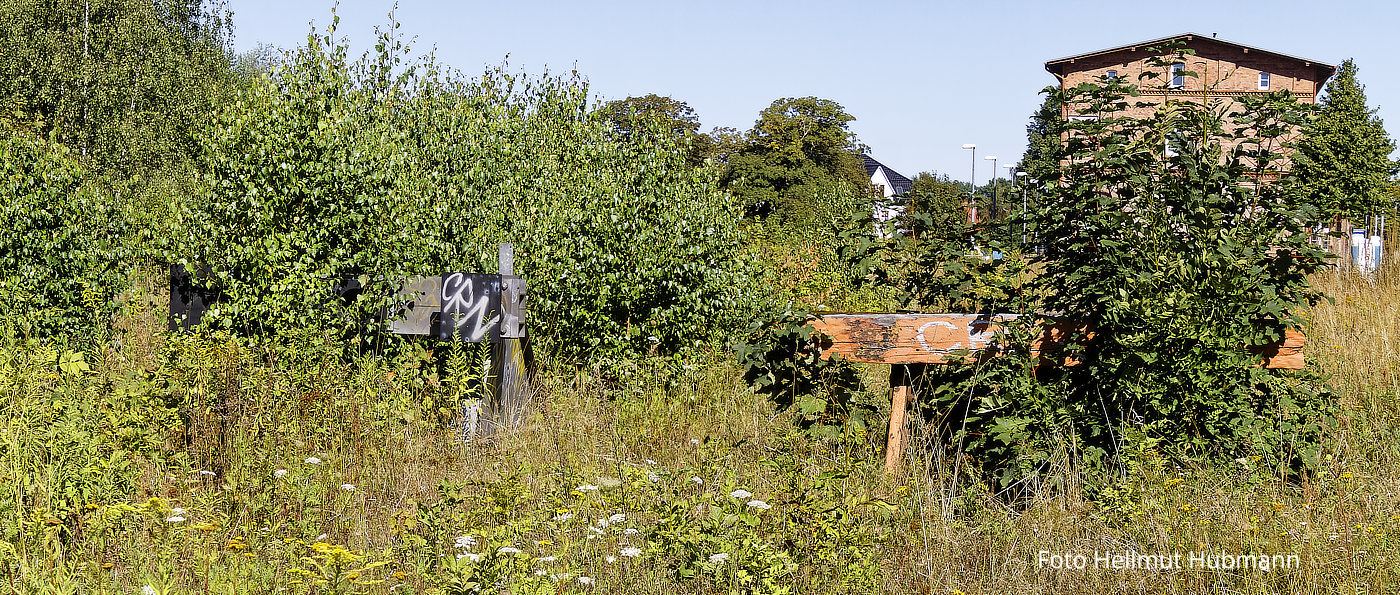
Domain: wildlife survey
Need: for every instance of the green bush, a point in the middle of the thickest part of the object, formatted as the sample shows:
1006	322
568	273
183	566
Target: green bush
329	169
61	248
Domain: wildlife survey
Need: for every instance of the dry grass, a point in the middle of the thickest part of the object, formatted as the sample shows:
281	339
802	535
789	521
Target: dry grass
246	413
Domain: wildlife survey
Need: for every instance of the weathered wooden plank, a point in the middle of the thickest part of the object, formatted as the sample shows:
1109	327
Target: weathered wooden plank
907	338
935	338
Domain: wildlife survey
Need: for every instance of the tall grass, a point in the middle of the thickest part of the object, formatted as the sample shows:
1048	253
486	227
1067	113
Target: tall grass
197	464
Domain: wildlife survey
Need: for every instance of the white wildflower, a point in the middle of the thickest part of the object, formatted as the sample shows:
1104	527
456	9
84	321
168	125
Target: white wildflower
148	590
609	558
740	494
759	504
546	559
208	473
279	473
507	550
464	542
321	537
313	461
631	551
697	480
175	519
585	580
177	511
597	530
719	558
631	532
347	487
617	518
695	442
654	478
541	572
563	517
651	462
469	556
603	523
587	488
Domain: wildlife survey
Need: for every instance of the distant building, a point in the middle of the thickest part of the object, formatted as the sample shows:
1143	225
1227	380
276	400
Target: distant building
888	184
1223	70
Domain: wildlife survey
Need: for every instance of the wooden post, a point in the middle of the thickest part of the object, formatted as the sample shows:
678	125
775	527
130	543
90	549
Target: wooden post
899	424
511	394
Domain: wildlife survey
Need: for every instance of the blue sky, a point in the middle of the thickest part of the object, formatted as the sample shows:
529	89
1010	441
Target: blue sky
921	78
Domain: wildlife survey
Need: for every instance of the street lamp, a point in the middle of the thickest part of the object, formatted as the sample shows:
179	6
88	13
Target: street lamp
1021	174
1010	175
993	159
971	197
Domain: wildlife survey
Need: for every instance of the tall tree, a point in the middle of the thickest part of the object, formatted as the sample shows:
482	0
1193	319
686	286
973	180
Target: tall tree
936	205
798	155
1344	156
122	82
1041	159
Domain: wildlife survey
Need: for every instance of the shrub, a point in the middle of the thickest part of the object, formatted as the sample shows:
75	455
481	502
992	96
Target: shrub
330	169
60	241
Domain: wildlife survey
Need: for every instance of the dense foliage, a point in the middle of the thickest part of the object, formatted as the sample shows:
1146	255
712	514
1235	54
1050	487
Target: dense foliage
331	169
1344	155
798	152
62	257
1169	256
124	83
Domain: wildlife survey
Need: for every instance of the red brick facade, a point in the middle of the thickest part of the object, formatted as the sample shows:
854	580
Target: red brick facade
1223	70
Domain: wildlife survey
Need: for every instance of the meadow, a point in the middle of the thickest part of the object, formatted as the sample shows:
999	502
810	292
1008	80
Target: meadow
181	463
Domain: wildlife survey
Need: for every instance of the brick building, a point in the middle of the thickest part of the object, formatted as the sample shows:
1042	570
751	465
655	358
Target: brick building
1223	70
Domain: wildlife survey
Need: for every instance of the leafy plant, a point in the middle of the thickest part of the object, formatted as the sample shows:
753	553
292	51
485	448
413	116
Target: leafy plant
782	359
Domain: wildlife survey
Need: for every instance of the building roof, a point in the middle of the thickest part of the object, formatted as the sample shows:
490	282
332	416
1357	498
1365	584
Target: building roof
1056	66
899	183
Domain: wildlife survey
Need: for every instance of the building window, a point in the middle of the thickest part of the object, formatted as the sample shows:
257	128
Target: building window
1178	75
1111	75
1264	81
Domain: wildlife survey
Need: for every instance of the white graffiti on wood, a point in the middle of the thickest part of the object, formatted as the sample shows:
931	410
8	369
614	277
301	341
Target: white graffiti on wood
460	298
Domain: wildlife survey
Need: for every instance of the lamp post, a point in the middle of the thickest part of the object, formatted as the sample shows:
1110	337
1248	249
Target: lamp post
993	159
971	196
1010	176
1022	175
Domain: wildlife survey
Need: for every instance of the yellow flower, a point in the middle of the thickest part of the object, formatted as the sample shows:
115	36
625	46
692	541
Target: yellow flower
544	543
399	574
1346	475
107	565
1175	481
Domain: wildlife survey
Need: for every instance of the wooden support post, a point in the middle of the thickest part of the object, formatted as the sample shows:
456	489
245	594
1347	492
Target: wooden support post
901	393
508	365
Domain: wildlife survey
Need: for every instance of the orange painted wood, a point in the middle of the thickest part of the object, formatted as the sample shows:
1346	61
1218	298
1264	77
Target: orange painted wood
936	338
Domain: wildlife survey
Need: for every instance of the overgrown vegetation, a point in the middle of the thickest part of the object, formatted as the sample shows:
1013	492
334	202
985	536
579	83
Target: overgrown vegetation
270	452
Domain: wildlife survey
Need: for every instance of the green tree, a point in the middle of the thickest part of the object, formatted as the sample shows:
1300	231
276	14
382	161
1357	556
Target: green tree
796	153
332	167
61	254
674	117
1041	159
935	205
122	82
1344	155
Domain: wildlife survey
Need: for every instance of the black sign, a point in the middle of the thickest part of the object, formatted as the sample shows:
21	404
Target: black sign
190	297
471	307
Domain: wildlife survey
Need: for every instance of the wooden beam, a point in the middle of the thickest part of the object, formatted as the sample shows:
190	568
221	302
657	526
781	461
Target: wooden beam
936	338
